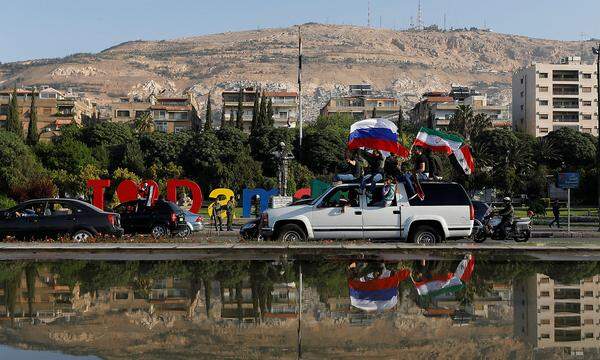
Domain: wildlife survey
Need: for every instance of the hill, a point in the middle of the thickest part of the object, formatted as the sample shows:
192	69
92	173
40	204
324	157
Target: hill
399	63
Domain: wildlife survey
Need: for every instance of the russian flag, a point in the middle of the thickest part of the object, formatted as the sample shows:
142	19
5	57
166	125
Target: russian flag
376	134
377	294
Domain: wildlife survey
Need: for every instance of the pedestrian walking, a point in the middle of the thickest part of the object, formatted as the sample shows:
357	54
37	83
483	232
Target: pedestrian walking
229	212
217	209
556	213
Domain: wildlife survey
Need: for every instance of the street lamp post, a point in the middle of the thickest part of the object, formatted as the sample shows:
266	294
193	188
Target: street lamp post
597	53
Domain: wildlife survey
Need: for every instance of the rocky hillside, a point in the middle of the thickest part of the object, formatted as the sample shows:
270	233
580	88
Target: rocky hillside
399	63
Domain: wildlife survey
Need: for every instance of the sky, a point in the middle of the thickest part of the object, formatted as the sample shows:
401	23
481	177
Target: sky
34	29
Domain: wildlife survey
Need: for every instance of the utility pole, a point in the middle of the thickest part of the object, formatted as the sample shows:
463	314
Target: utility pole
597	52
369	14
419	17
300	85
300	312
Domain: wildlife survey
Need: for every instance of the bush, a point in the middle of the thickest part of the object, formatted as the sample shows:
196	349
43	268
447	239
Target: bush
538	206
6	203
36	188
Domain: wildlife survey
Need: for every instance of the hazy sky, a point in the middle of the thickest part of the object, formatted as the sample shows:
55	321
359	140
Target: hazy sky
54	28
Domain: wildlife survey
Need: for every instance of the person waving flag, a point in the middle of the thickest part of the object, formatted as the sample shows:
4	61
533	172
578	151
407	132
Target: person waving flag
451	145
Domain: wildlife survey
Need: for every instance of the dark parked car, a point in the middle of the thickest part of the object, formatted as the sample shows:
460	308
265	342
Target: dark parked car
161	219
37	219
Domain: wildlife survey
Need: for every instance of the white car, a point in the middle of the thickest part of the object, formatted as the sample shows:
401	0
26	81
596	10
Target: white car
344	213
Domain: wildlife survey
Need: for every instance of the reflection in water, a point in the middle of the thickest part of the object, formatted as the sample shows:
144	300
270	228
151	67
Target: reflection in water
191	309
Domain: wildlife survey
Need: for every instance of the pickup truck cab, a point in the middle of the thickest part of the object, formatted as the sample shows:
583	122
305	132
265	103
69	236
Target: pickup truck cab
344	213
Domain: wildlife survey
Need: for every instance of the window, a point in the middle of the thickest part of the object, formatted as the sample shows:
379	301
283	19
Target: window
545	336
60	209
160	114
121	296
161	126
589	335
587	75
586	89
543	89
333	199
543	102
544	280
543	116
544	294
442	195
588	307
545	322
588	322
522	107
522	80
545	307
543	75
522	93
586	103
283	115
586	116
122	113
177	116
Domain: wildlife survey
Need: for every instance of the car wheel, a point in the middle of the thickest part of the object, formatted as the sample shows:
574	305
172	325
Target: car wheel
425	235
291	233
159	231
82	236
185	232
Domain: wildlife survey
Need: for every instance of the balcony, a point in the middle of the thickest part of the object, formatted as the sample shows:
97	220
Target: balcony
566	103
567	321
565	89
561	116
567	308
567	335
565	75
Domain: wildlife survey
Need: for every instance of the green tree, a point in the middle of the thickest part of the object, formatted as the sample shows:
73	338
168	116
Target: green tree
262	114
374	113
240	110
255	111
18	164
208	122
144	124
573	148
33	137
467	124
13	121
223	122
270	121
232	121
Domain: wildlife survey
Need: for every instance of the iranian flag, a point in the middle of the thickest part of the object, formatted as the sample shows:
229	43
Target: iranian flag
451	145
447	283
438	141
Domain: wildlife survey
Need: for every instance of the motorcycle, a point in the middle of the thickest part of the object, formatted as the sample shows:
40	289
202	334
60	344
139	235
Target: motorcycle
519	230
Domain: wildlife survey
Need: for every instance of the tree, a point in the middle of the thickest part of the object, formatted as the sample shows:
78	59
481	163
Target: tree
144	123
270	121
13	122
208	122
33	137
467	124
573	148
400	122
223	122
374	113
262	114
240	110
232	121
255	111
18	163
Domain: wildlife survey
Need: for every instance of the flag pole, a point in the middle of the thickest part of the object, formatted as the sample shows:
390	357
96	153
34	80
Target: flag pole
300	120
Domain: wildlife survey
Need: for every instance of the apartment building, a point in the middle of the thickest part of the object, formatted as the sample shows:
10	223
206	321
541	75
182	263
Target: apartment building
171	114
362	107
54	109
549	314
436	109
547	97
285	106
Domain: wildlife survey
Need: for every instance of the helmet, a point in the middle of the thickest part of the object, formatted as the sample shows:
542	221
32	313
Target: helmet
506	199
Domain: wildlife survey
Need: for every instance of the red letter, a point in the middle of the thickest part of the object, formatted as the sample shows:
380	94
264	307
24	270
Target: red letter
128	190
302	193
98	187
172	186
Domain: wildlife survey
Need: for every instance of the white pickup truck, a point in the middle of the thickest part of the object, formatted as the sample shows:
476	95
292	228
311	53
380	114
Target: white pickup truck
344	213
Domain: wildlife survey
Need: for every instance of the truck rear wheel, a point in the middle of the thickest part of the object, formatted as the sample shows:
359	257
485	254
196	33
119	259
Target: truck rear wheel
425	235
291	233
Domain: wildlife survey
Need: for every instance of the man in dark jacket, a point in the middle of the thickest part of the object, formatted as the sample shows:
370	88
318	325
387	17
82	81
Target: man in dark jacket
216	214
507	213
229	211
556	213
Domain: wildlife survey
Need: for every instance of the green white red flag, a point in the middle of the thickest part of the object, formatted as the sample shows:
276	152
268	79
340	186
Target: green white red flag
448	144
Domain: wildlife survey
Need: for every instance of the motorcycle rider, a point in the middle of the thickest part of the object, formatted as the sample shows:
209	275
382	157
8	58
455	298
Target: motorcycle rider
507	214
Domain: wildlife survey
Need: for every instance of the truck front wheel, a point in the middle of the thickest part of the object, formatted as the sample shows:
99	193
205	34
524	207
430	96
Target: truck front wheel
291	233
425	235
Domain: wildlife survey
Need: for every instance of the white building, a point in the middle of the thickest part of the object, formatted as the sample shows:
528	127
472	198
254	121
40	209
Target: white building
549	314
550	96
